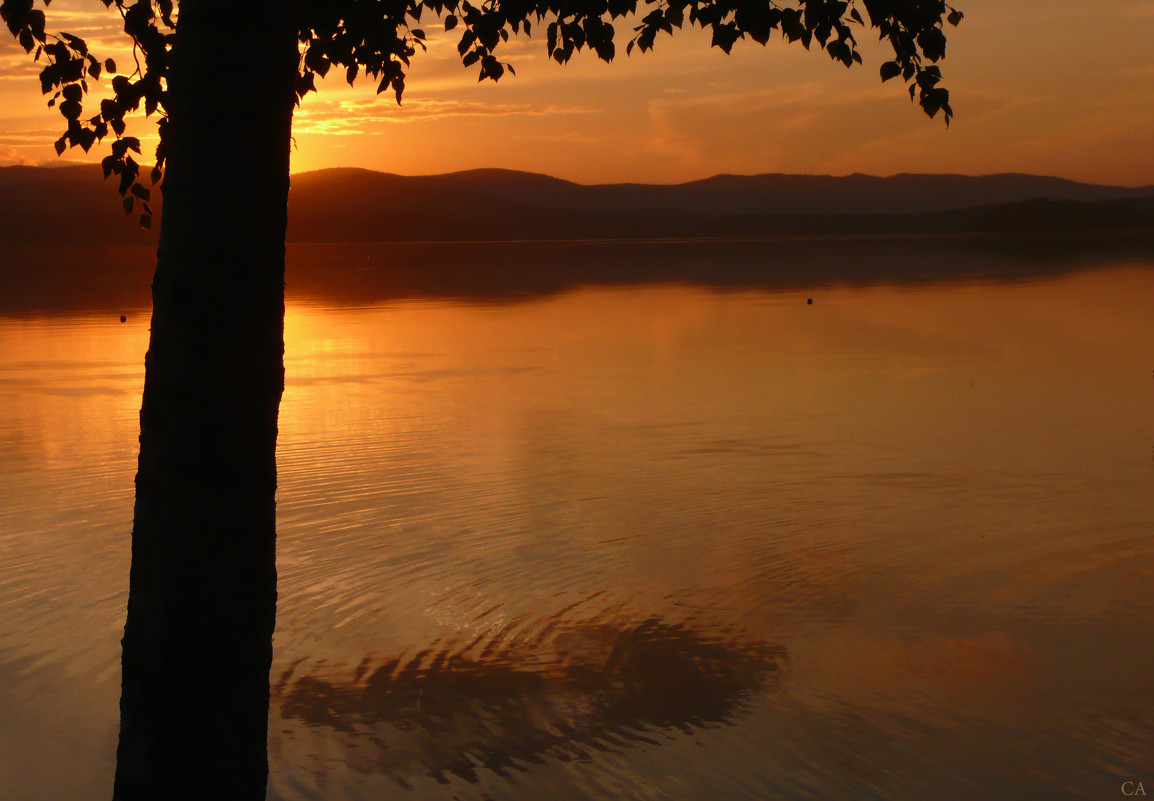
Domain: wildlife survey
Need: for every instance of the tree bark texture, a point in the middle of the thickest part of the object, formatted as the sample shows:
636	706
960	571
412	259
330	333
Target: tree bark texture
202	591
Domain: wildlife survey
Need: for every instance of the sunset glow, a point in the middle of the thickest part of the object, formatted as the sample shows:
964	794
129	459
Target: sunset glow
697	425
1037	87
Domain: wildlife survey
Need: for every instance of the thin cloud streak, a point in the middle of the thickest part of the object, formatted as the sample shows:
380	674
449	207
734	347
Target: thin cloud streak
357	117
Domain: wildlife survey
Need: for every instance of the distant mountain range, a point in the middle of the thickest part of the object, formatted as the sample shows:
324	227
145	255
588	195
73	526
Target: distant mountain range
74	206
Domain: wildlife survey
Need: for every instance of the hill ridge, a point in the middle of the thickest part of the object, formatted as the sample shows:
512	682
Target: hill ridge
38	206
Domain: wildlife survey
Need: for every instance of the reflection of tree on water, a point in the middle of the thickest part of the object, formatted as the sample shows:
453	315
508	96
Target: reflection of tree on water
590	688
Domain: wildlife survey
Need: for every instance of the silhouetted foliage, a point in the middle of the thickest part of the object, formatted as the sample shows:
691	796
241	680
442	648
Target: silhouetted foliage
375	39
223	77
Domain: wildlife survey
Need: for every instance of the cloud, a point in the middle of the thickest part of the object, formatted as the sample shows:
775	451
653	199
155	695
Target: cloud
728	129
10	156
358	116
102	30
18	67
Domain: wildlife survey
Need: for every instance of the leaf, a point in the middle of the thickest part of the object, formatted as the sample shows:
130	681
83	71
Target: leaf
933	43
71	109
317	61
755	21
491	68
450	22
76	43
304	84
489	37
955	17
109	65
840	51
128	173
87	139
890	69
467	39
146	221
127	203
724	36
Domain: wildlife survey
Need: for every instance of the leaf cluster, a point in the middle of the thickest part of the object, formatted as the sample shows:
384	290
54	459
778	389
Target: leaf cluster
378	38
69	68
915	31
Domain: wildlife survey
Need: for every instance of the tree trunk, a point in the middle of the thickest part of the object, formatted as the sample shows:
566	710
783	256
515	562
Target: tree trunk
202	592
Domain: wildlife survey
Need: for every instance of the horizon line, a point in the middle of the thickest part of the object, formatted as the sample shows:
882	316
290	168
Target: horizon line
57	165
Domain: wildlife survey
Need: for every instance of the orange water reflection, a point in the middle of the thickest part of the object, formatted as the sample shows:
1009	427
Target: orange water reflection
929	505
935	499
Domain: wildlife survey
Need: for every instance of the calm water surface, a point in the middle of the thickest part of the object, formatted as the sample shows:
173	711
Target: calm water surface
655	542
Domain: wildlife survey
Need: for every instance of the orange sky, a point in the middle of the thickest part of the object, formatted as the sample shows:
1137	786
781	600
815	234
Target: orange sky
1054	87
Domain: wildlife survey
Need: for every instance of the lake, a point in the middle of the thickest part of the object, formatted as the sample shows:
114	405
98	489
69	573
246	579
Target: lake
633	521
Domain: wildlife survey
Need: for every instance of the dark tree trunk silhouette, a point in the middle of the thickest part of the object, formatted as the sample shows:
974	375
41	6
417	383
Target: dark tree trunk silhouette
202	600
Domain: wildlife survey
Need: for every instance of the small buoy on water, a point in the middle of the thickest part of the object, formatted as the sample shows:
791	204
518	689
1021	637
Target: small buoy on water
123	319
809	301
